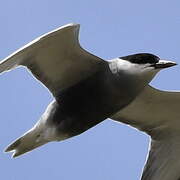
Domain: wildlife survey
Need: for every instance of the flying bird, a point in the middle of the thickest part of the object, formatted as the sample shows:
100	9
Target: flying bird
88	90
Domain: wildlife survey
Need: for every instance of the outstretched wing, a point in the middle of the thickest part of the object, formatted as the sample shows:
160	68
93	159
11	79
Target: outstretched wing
164	159
56	59
158	114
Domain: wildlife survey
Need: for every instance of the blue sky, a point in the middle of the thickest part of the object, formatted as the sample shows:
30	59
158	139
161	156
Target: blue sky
109	29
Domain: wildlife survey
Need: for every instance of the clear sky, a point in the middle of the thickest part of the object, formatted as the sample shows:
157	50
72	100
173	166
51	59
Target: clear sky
109	29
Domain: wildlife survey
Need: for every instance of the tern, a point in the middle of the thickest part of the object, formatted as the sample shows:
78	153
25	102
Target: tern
88	90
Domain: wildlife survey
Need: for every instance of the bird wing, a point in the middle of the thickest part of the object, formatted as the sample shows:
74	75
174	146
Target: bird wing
157	113
56	59
163	162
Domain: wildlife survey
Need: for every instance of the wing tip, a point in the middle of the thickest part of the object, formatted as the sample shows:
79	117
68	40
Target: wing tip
73	26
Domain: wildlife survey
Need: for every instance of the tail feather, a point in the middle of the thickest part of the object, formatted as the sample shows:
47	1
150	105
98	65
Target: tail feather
25	143
18	148
13	146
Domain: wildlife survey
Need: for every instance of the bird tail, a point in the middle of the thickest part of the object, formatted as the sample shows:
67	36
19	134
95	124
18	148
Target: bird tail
25	143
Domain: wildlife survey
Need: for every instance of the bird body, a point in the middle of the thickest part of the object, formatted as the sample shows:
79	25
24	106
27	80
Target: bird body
82	106
90	101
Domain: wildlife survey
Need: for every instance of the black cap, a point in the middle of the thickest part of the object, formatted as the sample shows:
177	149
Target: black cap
141	58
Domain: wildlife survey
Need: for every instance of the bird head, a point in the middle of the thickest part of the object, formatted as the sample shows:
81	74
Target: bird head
143	65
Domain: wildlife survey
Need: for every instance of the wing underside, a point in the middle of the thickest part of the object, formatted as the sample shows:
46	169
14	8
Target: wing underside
56	59
158	114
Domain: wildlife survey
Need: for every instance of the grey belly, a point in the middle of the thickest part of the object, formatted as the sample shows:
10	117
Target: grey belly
88	103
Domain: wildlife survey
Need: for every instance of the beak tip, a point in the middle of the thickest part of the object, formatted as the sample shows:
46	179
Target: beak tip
165	64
